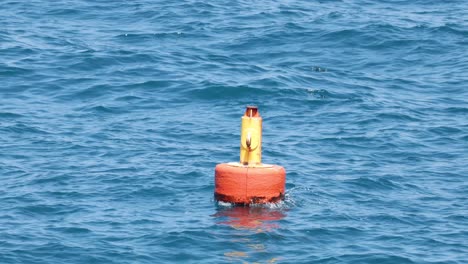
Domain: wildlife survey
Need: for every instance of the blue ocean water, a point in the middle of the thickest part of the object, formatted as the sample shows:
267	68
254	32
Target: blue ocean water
113	115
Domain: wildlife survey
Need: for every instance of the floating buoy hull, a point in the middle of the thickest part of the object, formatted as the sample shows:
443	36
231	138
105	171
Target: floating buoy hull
241	184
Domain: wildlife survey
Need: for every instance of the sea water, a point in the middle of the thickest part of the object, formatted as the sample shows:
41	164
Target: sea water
113	115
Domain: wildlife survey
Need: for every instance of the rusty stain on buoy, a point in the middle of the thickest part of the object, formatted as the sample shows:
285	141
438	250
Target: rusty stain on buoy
249	181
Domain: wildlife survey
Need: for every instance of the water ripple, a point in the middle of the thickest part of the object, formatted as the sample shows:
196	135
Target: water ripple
114	115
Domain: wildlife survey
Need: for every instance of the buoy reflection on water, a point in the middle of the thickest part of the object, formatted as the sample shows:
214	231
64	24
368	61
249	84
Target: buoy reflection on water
259	219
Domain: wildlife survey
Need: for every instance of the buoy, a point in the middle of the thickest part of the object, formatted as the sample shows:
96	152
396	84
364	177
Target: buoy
249	181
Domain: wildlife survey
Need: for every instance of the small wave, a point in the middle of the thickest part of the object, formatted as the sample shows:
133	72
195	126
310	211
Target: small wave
374	258
63	12
450	28
457	110
11	71
444	130
129	98
101	109
377	183
71	230
46	209
8	115
368	121
396	116
22	128
216	91
94	91
139	38
152	192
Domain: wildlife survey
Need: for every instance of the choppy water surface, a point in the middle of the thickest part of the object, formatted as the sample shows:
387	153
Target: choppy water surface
113	115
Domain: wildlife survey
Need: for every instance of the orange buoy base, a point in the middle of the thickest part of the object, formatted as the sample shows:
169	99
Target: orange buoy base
242	184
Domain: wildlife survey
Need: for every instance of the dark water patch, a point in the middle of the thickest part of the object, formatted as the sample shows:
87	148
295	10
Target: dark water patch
12	71
458	218
450	29
156	38
17	50
445	130
397	117
70	194
294	26
105	110
133	37
94	63
95	91
149	193
23	129
385	45
340	35
45	210
219	91
63	12
391	220
151	85
7	115
374	258
368	121
129	98
267	82
376	183
70	230
38	253
457	110
53	179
